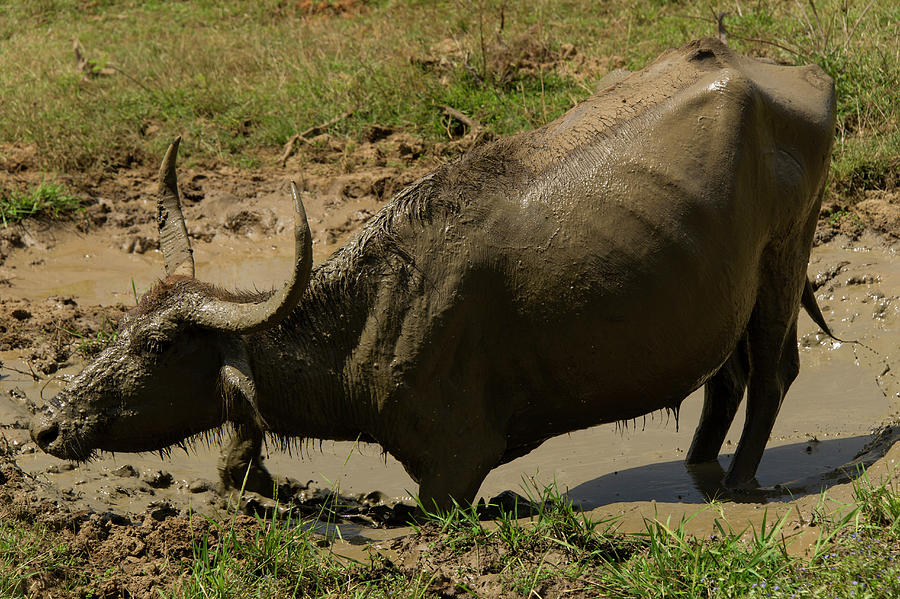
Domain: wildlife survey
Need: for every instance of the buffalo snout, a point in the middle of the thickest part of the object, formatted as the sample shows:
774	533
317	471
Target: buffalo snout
57	435
44	433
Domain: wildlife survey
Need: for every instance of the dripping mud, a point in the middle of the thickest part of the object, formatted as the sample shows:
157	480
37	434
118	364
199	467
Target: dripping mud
63	287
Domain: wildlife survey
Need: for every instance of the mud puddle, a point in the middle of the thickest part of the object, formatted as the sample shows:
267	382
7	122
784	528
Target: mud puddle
841	395
241	249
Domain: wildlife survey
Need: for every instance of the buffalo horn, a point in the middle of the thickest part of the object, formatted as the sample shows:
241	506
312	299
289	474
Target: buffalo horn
173	237
251	317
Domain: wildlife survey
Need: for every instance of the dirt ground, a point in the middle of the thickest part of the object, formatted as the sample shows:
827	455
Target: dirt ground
65	284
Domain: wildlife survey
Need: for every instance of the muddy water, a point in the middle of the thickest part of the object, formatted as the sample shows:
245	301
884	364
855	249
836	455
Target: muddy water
827	418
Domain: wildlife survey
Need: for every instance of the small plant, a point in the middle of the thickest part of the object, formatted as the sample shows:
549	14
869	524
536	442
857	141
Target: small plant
460	527
879	504
47	199
559	521
92	344
846	220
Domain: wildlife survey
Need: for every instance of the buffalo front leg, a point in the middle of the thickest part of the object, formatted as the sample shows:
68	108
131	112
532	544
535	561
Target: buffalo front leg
722	395
453	470
774	364
241	464
439	491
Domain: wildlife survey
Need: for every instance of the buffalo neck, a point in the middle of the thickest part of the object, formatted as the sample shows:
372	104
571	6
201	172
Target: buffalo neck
313	373
329	370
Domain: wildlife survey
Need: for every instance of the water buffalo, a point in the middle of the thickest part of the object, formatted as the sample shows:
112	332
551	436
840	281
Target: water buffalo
651	240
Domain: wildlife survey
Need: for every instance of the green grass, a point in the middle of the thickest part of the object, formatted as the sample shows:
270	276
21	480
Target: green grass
91	344
25	553
238	80
282	560
557	549
856	554
46	199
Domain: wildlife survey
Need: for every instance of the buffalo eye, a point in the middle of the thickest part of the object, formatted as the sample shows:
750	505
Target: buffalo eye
155	345
158	346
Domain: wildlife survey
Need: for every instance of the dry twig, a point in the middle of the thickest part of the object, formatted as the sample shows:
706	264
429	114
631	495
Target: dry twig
89	68
312	131
470	123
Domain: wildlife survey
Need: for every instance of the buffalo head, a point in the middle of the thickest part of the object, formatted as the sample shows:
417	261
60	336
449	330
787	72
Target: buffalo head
178	362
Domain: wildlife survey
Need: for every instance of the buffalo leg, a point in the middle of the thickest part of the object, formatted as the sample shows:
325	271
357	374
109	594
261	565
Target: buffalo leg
454	472
439	491
774	364
722	395
242	459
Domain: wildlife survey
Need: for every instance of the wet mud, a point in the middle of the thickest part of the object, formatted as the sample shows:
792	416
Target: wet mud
845	391
63	287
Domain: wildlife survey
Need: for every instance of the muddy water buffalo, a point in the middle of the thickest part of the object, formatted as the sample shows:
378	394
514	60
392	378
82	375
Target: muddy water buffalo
651	240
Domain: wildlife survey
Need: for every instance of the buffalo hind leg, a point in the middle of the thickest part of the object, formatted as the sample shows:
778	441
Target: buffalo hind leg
774	364
722	395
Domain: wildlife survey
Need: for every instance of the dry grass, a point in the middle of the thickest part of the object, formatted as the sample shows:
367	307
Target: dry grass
235	79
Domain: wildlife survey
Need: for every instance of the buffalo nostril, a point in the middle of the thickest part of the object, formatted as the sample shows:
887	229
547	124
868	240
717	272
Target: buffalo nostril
46	435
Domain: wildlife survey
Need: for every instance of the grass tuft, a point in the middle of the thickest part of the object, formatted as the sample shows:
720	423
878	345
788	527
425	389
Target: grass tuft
879	505
48	199
270	557
92	344
26	556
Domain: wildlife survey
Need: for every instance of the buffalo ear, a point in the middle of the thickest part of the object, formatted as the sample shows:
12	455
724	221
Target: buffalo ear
238	389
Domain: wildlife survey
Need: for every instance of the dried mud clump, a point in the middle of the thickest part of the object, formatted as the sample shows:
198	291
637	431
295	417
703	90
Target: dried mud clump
877	211
53	330
18	157
880	210
246	222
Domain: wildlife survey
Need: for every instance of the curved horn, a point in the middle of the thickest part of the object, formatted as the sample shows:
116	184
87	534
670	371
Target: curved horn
173	236
253	317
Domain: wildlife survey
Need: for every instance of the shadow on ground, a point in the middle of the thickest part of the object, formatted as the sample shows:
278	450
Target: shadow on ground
786	472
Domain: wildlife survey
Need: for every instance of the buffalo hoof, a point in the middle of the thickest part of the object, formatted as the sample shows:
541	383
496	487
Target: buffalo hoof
740	483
